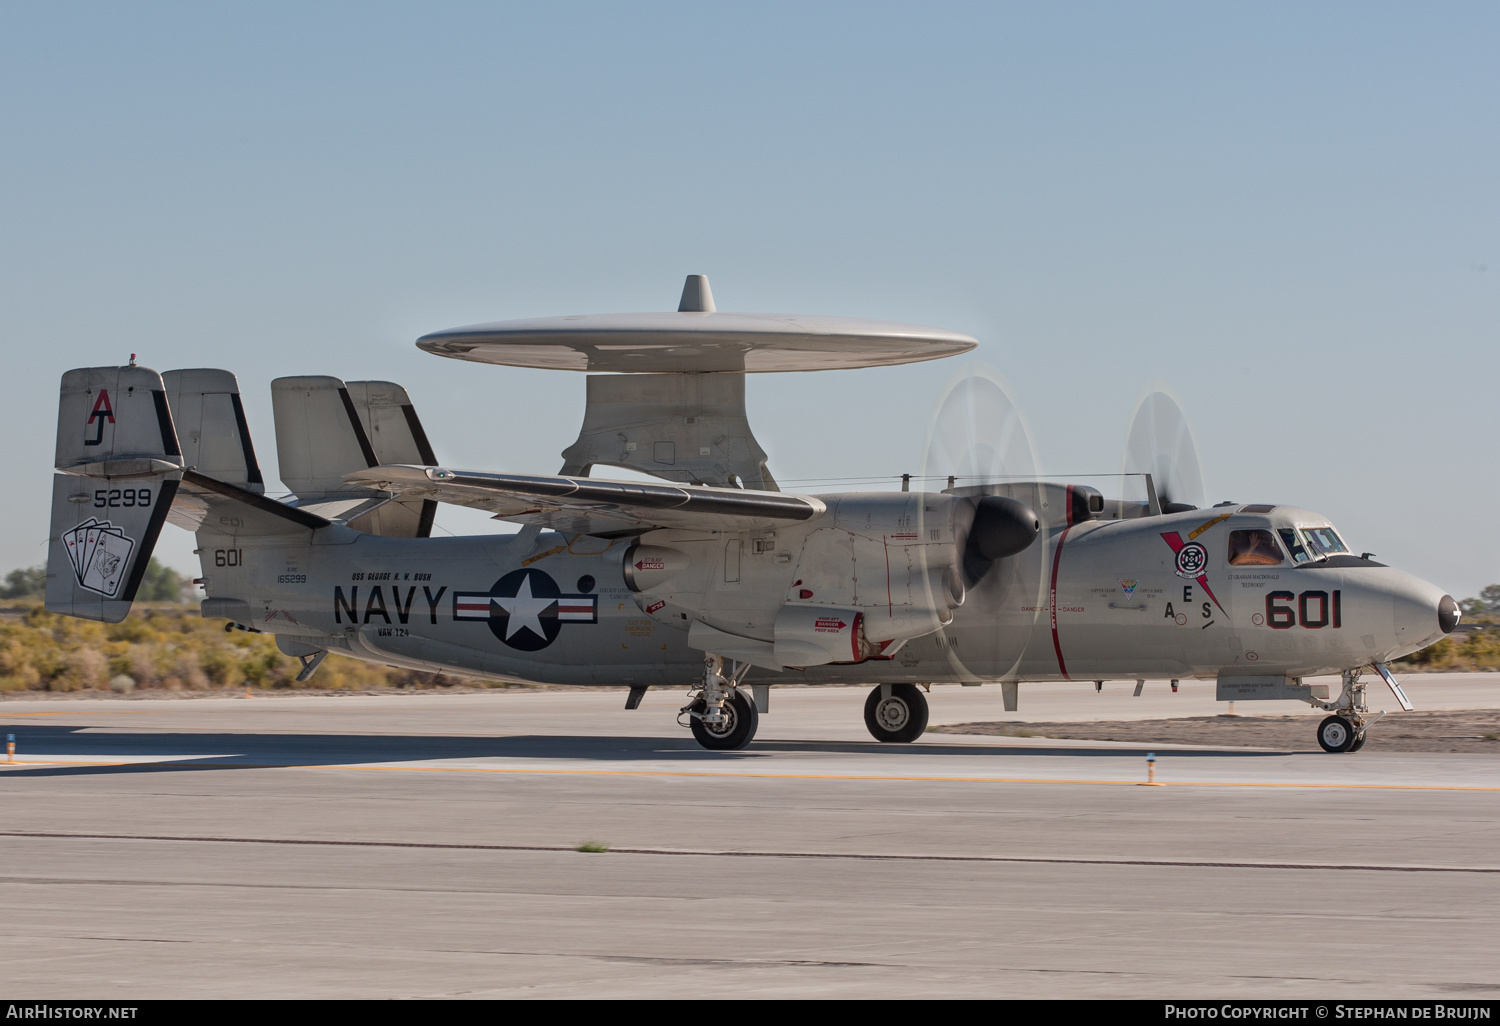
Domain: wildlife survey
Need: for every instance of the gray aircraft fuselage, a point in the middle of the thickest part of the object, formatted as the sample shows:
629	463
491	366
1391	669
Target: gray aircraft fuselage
1097	599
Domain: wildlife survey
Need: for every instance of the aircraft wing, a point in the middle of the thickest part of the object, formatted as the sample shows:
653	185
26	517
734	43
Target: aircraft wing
582	505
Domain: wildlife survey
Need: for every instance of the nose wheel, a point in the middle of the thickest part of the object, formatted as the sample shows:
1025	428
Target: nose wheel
1345	730
896	713
1337	734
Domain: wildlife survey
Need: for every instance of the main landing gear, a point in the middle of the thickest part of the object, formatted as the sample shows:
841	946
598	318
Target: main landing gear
722	716
896	712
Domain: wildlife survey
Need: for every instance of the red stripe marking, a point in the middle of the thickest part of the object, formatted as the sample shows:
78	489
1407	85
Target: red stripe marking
1203	583
1052	603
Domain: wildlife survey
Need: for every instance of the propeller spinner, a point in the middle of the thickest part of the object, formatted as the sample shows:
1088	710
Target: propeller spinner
978	445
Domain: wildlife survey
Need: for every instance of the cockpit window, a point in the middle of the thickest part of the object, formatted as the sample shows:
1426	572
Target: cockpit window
1294	544
1253	548
1324	540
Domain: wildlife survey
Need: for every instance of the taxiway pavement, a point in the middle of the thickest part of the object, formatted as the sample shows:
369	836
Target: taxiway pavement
423	845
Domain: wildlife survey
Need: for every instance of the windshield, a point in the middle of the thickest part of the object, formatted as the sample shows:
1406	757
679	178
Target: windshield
1294	545
1324	541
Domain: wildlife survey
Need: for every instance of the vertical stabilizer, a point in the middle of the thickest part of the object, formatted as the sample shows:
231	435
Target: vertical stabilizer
119	467
319	436
211	426
397	436
326	429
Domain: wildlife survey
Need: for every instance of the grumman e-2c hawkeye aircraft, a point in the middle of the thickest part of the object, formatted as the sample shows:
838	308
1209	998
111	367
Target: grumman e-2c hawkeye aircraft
714	578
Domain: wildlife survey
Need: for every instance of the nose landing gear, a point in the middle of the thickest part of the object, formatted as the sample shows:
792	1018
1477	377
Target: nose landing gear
1344	731
1337	734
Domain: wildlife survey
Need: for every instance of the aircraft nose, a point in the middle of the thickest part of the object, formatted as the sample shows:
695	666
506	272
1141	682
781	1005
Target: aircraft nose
1423	614
1448	614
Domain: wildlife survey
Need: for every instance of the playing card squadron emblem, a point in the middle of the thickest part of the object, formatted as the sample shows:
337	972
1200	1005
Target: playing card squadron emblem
100	553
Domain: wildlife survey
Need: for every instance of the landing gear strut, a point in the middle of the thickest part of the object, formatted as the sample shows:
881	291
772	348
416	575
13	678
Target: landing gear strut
896	712
722	717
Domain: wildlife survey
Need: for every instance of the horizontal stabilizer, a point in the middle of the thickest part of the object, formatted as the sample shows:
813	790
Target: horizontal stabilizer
589	506
218	507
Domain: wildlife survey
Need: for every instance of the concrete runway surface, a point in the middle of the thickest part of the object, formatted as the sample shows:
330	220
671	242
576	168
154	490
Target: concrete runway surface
423	846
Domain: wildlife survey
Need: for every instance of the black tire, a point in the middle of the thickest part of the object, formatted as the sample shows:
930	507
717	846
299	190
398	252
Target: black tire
741	719
899	717
1336	734
1359	742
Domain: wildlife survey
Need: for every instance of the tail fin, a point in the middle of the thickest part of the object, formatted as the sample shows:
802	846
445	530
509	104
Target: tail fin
119	467
319	436
326	429
211	426
397	436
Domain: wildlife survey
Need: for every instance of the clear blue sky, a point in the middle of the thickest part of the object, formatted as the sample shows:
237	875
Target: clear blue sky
1287	211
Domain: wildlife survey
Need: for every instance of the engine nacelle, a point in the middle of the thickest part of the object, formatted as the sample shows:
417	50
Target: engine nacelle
648	567
875	571
813	635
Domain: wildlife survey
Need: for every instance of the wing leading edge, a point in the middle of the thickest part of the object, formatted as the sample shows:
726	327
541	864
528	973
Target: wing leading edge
576	505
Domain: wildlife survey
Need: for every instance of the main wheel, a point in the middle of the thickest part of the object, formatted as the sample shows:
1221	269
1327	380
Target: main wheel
740	720
900	715
1336	734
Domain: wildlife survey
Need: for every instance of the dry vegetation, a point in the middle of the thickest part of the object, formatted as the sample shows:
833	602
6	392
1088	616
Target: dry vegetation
168	647
1470	650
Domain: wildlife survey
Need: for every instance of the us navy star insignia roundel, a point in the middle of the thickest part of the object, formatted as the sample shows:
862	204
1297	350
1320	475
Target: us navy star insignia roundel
525	609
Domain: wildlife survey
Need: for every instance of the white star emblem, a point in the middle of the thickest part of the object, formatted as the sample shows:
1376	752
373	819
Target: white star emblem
524	610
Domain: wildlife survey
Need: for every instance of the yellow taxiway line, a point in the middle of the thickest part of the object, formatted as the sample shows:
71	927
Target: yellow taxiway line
699	774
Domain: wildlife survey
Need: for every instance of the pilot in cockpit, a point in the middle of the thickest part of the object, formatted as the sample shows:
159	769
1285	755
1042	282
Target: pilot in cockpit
1253	548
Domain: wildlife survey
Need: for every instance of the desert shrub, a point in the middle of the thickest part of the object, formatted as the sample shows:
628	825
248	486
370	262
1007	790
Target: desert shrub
167	648
87	668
